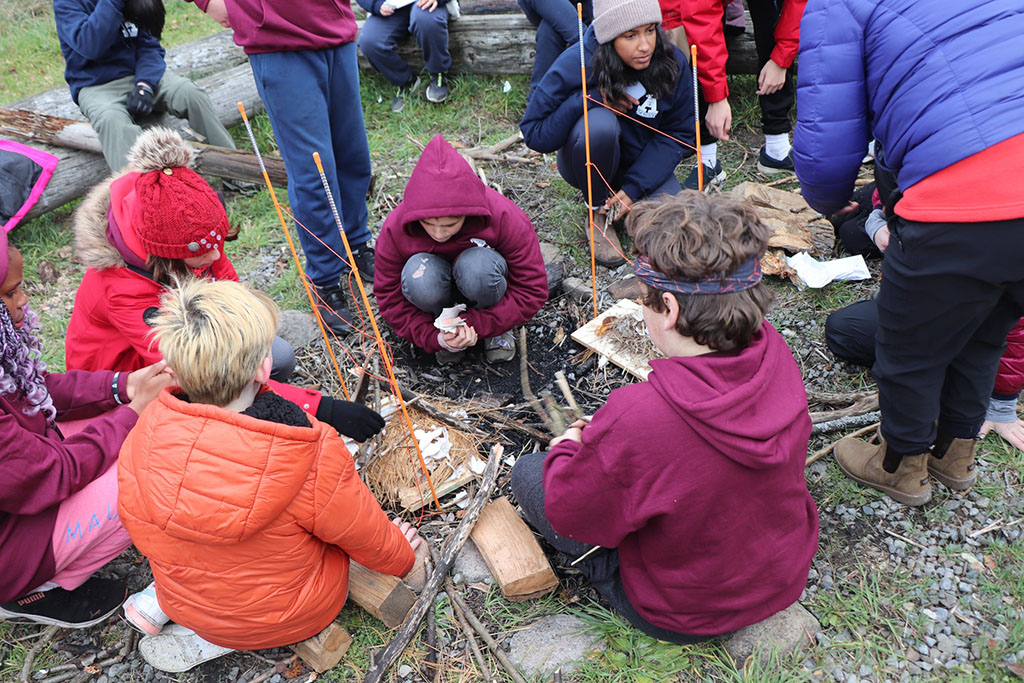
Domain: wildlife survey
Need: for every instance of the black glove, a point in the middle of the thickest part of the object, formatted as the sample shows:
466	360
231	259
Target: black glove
351	419
140	101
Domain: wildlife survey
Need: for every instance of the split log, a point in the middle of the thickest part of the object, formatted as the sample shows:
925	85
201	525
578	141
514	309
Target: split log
512	553
385	597
323	651
451	549
34	128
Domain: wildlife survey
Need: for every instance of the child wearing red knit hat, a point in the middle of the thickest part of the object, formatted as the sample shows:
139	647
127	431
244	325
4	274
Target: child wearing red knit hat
137	232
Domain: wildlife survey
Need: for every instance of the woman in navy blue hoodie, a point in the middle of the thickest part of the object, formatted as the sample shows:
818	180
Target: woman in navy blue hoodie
633	68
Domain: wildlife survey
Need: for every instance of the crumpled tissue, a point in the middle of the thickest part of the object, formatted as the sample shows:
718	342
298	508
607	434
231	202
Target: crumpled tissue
816	274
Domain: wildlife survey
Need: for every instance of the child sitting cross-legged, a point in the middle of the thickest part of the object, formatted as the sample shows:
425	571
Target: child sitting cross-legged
248	508
692	483
453	240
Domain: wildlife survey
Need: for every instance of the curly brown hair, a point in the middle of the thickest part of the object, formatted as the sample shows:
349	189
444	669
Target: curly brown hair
692	235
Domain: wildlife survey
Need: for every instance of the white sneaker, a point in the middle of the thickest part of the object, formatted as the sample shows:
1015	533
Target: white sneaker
143	613
178	649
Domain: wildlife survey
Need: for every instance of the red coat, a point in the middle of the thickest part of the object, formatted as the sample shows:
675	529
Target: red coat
443	184
702	20
108	328
1010	378
249	524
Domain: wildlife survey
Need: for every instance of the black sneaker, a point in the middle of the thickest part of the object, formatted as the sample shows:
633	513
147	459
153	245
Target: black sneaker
364	257
87	605
333	308
771	165
712	176
437	90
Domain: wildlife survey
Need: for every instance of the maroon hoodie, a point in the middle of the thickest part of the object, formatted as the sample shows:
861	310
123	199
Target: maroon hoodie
289	25
697	477
39	469
443	184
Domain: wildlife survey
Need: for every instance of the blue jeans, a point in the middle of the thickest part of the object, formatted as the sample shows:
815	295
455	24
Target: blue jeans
479	276
312	98
380	35
605	153
557	26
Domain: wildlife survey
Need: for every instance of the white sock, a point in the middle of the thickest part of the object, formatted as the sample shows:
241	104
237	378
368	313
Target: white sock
777	146
709	154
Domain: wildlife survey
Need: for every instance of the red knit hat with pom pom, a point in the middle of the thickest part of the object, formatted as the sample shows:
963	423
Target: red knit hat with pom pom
177	214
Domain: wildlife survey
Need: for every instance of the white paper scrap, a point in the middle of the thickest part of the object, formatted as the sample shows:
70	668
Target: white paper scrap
443	321
816	274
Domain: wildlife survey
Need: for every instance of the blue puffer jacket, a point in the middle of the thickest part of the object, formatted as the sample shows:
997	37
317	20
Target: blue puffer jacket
99	46
934	82
647	158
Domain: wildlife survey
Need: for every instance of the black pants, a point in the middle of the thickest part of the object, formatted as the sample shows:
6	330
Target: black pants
950	294
850	332
764	15
601	568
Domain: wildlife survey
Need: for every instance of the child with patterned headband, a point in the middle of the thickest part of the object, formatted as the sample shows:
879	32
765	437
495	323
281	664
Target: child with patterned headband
692	482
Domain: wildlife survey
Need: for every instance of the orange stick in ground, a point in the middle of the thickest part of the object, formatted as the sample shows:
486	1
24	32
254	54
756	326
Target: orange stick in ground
376	330
696	119
586	146
291	246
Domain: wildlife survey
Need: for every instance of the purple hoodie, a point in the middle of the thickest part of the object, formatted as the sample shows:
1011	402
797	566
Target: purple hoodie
443	184
289	25
697	477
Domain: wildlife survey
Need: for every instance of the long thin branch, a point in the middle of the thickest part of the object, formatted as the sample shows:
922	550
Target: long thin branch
46	636
818	455
846	423
524	381
426	600
481	630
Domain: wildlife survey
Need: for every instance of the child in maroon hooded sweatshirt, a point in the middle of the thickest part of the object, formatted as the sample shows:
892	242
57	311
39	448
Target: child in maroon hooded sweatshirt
692	482
453	240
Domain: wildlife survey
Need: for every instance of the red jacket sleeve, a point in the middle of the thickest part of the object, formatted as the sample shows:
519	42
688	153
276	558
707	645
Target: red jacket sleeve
405	319
787	33
1010	378
527	279
702	20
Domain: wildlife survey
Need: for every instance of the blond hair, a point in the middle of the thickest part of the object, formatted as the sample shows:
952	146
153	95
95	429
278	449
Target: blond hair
214	335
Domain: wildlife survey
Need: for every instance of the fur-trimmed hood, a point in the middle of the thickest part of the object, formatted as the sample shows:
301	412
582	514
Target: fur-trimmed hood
156	148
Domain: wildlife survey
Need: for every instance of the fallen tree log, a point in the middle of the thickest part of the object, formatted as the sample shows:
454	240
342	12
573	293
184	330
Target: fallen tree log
77	170
34	128
480	44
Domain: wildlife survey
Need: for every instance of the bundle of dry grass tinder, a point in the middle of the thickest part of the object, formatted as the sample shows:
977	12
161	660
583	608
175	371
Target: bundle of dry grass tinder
391	466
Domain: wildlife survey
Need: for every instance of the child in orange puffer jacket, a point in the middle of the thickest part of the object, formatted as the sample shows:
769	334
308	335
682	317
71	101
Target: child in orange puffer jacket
248	508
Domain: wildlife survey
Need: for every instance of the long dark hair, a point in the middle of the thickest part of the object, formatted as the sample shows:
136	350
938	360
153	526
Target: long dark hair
610	75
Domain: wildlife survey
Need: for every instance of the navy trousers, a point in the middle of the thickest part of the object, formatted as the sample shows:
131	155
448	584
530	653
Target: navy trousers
380	37
605	154
312	99
557	26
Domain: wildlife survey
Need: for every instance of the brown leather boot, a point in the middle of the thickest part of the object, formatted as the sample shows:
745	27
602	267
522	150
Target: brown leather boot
955	468
862	461
607	248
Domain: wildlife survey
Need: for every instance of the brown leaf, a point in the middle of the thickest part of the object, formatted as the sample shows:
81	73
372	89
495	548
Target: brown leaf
990	561
1016	669
992	644
47	273
543	184
94	668
559	336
